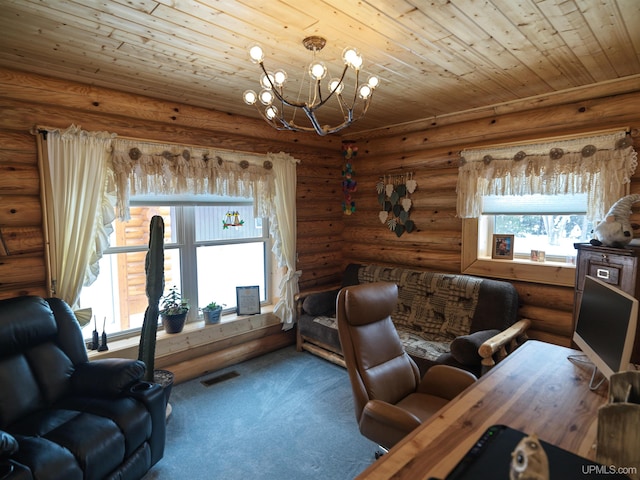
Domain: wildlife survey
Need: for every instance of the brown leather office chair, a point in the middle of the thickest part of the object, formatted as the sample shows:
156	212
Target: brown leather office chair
390	398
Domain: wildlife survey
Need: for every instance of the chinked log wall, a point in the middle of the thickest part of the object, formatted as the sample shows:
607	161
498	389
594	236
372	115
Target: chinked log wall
28	100
431	151
327	239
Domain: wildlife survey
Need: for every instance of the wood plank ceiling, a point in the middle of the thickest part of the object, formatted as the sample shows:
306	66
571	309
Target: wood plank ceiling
433	57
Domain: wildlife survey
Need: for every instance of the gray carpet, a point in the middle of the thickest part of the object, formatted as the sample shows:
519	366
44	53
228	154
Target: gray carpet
285	415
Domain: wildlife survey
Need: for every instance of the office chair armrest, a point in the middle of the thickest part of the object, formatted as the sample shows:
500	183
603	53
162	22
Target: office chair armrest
389	415
445	381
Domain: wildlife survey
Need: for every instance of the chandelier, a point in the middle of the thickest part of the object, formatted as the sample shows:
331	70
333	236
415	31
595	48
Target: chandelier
280	112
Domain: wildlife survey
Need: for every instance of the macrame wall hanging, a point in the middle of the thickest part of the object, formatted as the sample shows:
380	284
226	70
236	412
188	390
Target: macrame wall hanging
394	196
349	185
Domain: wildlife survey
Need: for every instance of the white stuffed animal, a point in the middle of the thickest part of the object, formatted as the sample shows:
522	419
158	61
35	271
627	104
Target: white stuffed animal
616	229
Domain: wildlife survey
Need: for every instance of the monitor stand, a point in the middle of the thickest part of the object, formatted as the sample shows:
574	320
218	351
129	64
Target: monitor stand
584	360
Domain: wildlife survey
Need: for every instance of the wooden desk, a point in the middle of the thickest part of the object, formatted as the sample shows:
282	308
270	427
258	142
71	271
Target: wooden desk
536	389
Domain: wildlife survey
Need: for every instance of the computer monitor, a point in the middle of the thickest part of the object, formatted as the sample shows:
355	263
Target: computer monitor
606	326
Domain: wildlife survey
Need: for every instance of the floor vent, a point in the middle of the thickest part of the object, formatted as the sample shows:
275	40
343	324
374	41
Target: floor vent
220	378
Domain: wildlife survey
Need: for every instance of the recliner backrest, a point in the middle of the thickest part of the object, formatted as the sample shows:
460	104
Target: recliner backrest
37	354
376	361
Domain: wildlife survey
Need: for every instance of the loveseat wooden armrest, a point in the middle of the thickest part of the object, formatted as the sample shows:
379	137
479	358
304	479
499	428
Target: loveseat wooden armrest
499	346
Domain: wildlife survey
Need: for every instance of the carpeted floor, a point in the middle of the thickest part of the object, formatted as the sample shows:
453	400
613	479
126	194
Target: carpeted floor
285	415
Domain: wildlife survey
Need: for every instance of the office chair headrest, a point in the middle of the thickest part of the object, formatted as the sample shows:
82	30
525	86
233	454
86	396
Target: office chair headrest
370	302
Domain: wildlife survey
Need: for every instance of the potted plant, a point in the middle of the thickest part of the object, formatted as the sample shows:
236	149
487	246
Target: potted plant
174	311
211	312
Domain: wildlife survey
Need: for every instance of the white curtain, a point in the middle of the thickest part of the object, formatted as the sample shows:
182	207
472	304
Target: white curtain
78	212
600	166
284	222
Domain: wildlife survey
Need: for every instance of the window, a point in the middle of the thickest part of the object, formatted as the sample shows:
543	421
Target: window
212	244
546	195
540	223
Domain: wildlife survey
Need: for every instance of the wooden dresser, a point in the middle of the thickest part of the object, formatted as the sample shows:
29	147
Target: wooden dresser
616	266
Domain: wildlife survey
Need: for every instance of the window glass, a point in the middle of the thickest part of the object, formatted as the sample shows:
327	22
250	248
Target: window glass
539	223
210	248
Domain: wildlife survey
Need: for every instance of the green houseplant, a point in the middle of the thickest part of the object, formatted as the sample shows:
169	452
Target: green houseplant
174	311
211	312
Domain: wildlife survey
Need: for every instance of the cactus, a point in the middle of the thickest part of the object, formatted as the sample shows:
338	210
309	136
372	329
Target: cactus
154	269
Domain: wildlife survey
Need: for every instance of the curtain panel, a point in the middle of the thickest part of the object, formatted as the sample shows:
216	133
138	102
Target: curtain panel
77	195
600	166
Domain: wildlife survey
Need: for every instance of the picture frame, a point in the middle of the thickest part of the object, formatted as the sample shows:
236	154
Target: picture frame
502	247
248	300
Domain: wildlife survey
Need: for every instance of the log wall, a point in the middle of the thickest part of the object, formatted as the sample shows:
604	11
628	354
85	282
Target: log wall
327	239
431	153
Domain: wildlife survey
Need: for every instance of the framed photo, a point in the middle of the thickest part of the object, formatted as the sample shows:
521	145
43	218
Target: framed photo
502	247
247	300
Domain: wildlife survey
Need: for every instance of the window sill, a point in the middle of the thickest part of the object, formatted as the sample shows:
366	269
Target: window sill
549	273
194	335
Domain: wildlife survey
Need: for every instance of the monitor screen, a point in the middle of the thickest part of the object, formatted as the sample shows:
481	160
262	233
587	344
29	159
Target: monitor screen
606	326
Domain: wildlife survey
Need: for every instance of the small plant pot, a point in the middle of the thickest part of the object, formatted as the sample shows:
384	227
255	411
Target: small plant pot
212	316
164	378
174	323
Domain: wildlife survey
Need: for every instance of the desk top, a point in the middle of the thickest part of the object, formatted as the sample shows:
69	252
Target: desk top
536	389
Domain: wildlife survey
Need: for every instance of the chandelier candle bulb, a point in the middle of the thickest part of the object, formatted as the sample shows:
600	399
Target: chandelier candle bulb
282	117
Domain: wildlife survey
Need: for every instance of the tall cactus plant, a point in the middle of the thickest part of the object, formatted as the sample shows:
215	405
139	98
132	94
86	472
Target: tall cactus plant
154	269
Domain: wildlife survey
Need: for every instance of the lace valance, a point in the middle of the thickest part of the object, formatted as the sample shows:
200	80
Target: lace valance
600	166
153	168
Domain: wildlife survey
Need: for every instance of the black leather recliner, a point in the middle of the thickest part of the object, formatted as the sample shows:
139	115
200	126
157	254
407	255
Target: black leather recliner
62	416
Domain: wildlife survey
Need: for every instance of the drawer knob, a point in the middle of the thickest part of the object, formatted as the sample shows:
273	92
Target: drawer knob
605	257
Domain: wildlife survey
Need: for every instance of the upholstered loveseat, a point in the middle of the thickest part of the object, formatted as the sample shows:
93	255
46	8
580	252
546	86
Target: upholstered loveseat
442	318
62	416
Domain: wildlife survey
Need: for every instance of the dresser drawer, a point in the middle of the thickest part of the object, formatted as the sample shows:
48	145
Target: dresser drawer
607	273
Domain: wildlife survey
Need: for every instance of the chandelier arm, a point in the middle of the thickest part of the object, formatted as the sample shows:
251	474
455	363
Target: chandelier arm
315	107
276	93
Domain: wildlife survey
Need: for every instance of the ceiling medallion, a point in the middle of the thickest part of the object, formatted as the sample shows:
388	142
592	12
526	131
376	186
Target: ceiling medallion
280	111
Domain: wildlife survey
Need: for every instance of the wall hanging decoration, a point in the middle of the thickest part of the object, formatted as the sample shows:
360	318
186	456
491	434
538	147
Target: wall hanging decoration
349	185
394	193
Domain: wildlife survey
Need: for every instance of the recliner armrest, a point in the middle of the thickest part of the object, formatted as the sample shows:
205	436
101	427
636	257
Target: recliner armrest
499	346
8	445
107	376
